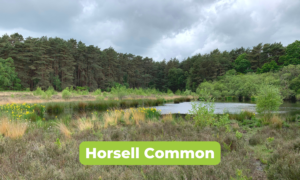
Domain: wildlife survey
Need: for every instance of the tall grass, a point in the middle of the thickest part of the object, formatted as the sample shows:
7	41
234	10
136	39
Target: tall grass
167	118
12	129
84	124
64	130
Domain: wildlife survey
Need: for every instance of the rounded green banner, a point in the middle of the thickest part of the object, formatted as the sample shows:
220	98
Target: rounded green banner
150	153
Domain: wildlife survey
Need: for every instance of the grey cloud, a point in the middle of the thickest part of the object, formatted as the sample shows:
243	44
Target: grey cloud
37	15
159	29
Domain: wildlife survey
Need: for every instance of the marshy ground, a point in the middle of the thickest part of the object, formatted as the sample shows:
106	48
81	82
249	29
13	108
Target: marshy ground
49	149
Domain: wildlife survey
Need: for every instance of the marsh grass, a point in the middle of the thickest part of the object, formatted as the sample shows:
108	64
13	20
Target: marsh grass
167	118
12	129
63	129
138	116
127	117
276	121
242	115
84	124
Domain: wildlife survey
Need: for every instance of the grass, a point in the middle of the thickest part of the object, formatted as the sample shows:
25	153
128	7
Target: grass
44	152
84	124
13	129
64	130
167	118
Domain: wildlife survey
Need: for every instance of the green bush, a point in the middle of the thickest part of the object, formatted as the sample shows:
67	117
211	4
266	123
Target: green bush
178	92
268	100
66	94
38	92
97	92
51	91
203	111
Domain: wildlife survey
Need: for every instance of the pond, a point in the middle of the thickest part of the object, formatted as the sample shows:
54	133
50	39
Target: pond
231	107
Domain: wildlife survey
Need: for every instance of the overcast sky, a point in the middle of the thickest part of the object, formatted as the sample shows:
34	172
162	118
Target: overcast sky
160	29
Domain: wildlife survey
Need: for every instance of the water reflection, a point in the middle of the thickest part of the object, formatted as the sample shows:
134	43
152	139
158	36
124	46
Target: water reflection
231	107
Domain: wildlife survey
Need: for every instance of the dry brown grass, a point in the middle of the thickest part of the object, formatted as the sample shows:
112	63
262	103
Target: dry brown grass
276	121
138	116
84	124
127	115
64	130
12	129
111	118
235	126
167	117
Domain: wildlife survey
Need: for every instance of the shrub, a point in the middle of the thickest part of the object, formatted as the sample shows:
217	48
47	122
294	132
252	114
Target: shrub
187	92
47	95
268	100
238	135
38	92
97	92
203	111
51	90
178	92
66	94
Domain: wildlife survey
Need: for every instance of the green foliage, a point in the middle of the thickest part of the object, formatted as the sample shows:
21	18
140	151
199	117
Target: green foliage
187	92
267	67
66	94
56	83
38	92
240	176
268	100
292	55
58	143
238	135
97	92
203	111
178	92
176	79
223	121
8	77
241	64
169	92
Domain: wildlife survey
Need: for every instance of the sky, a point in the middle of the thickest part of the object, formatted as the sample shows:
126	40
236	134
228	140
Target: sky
159	29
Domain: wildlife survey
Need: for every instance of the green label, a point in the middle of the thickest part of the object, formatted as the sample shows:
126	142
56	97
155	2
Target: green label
150	153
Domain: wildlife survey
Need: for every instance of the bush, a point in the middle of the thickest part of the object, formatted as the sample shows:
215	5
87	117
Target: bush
51	91
97	92
203	111
187	92
268	100
38	92
178	92
47	95
66	94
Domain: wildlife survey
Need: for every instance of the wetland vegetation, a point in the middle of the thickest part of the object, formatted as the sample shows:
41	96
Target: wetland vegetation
56	94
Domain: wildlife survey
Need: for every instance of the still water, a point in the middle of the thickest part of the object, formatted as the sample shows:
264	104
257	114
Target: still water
231	107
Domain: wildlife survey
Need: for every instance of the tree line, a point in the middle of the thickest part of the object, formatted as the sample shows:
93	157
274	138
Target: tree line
44	62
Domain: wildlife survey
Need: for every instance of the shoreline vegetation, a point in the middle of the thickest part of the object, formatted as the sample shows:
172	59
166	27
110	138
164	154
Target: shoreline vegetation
55	94
254	146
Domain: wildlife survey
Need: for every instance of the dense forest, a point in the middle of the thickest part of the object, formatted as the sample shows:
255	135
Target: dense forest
43	62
